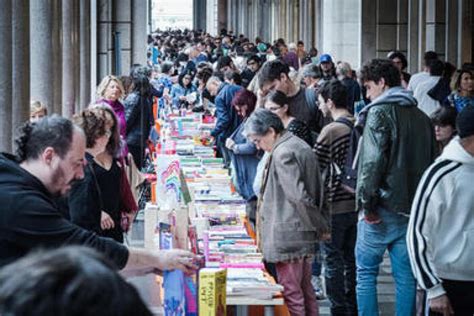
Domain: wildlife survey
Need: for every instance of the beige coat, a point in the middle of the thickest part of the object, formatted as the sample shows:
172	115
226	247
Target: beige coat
290	220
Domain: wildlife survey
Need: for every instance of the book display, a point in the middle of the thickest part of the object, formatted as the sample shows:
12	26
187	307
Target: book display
196	207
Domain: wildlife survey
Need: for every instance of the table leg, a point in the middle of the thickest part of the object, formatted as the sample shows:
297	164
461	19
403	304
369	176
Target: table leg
269	310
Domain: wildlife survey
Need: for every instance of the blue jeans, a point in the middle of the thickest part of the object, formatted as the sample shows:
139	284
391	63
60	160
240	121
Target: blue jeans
372	241
340	264
317	263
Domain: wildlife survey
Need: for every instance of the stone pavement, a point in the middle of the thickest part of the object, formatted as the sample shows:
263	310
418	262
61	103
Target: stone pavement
385	291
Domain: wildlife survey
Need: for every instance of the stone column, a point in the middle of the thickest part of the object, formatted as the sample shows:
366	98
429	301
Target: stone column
310	25
222	17
318	24
124	23
85	54
6	75
283	19
413	28
435	26
452	29
276	25
93	48
139	33
295	17
56	76
104	42
69	85
267	21
289	20
41	57
247	21
466	31
402	26
387	27
303	21
21	64
235	16
229	15
258	22
199	14
76	53
368	31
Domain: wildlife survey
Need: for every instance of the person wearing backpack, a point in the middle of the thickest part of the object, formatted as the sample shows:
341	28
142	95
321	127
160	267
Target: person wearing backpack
331	149
396	147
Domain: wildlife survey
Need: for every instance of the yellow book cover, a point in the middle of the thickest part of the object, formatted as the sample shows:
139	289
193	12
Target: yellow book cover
212	292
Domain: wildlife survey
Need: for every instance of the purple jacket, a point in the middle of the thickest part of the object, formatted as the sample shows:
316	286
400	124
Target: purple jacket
119	110
291	59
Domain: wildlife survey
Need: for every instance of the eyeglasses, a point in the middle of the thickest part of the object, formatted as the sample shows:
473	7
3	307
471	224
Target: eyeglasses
274	109
256	141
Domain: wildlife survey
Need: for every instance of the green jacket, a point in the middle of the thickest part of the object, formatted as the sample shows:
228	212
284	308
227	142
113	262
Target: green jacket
396	147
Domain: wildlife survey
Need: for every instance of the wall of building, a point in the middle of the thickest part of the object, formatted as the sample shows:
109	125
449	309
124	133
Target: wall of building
56	52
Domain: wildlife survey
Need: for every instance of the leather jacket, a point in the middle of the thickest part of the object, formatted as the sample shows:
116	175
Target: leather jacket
396	147
139	116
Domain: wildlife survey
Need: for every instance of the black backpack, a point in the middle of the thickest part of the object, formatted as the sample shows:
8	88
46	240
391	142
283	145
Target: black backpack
349	170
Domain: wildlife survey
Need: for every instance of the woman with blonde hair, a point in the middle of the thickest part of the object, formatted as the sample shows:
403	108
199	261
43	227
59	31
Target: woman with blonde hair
110	91
37	111
462	87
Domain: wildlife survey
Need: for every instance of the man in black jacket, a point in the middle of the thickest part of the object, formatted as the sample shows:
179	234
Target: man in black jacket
396	147
50	157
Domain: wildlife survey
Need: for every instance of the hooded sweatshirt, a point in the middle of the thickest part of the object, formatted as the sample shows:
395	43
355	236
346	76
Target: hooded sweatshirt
30	219
397	95
440	234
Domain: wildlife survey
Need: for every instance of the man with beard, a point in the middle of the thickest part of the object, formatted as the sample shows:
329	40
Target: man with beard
50	157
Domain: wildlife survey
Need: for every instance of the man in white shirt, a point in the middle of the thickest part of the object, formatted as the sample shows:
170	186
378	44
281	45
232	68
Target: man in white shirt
419	77
426	103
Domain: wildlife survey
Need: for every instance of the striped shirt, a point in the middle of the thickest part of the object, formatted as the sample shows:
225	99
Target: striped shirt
439	214
331	149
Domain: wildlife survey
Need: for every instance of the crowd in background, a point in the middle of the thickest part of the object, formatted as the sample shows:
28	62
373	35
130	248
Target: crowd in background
328	159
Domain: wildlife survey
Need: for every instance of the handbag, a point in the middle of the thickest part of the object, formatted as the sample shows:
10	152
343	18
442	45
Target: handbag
129	204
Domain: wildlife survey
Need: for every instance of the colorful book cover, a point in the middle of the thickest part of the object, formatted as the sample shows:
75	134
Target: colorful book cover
212	292
168	184
174	290
173	281
190	294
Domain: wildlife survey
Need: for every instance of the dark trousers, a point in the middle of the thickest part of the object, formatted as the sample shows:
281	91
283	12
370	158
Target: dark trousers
138	154
225	155
340	273
461	296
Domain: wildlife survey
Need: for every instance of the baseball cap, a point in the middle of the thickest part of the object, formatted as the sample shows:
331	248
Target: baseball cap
325	58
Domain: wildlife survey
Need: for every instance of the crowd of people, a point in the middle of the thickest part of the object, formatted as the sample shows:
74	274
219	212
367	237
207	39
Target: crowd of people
337	168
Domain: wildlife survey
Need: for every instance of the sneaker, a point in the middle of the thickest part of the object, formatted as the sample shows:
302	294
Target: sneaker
318	287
